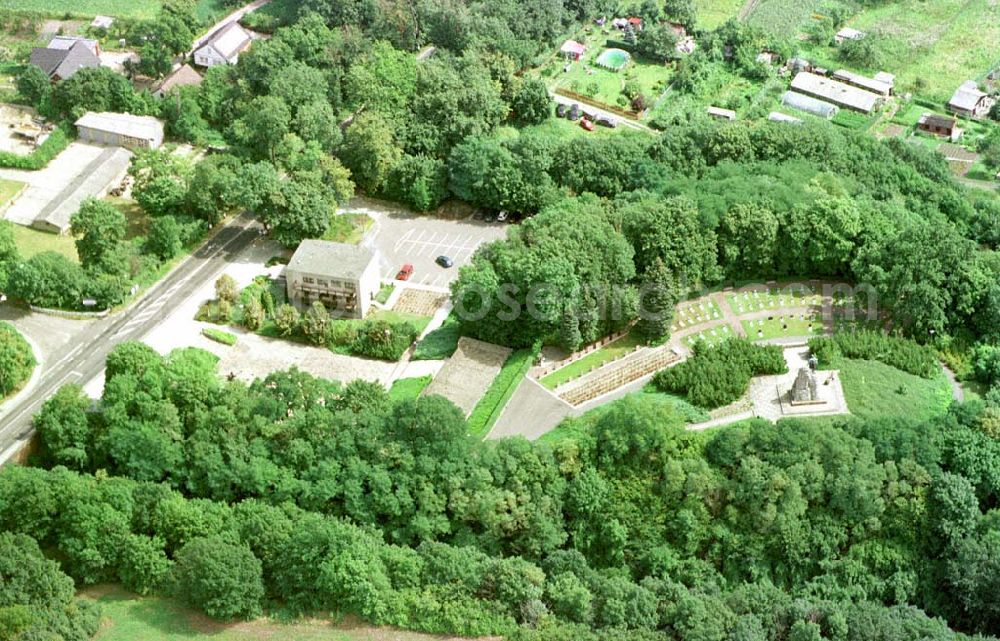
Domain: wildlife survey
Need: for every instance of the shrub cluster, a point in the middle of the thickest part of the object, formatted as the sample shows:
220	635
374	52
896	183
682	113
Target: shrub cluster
17	360
901	353
717	376
219	336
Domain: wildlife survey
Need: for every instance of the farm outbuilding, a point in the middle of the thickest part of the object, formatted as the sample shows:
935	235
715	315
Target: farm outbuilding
120	130
838	93
873	85
809	104
940	126
969	101
720	113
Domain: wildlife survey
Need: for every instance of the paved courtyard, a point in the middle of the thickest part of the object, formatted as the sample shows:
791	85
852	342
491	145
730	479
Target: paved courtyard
404	237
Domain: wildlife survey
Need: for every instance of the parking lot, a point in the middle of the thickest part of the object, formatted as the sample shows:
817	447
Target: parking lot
402	237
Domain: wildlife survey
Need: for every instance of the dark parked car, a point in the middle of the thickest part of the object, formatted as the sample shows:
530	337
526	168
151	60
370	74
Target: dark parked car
561	110
607	121
574	112
444	261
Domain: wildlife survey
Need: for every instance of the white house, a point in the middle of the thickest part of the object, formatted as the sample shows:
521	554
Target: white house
223	47
345	278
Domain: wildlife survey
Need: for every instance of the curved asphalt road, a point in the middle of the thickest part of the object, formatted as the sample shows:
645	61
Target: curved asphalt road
85	361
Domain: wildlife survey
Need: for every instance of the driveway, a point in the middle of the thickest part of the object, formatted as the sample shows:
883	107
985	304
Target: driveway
402	236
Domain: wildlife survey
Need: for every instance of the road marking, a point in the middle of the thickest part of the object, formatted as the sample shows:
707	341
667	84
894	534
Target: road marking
402	239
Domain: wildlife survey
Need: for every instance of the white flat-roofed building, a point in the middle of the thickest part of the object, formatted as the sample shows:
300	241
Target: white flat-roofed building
873	85
120	130
838	93
345	278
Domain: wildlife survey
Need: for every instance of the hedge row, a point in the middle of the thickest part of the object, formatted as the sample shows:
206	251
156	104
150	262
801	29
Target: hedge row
901	353
219	336
489	407
57	141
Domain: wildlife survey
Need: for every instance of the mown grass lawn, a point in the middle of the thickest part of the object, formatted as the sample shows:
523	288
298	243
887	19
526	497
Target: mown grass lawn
595	359
419	322
142	9
9	189
874	390
127	617
440	343
31	241
782	327
408	388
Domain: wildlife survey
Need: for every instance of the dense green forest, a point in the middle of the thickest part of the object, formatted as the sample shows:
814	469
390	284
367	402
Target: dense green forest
301	495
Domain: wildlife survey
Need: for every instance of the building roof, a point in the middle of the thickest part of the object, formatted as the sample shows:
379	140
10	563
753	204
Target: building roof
967	96
229	40
777	116
847	33
808	104
64	62
67	42
327	258
938	122
870	84
836	92
183	76
634	20
574	47
728	114
886	77
100	22
141	127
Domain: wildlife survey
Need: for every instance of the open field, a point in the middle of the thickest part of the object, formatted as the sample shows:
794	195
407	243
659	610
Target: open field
127	617
31	241
874	390
712	13
933	46
784	17
87	8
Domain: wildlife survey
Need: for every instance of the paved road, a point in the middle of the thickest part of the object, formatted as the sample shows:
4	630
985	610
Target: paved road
627	122
85	361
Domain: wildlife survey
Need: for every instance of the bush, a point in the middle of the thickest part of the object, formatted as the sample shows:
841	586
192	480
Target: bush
384	340
219	336
16	359
717	376
901	353
57	141
223	580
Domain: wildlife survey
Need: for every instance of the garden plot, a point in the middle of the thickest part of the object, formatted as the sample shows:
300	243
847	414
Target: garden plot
603	85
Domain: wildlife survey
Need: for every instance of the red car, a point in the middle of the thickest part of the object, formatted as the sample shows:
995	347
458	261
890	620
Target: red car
586	124
405	272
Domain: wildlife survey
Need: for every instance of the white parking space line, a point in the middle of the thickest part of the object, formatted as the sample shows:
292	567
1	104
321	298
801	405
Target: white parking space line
403	239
